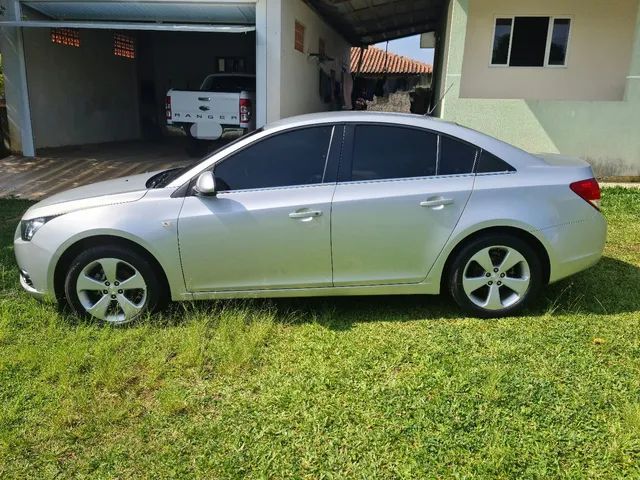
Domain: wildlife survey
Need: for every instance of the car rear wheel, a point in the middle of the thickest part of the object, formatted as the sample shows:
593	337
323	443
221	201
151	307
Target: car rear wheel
495	276
113	285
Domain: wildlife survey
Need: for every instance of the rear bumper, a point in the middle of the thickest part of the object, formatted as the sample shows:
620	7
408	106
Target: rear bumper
575	247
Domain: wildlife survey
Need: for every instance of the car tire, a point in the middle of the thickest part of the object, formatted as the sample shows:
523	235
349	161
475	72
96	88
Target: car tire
114	285
495	275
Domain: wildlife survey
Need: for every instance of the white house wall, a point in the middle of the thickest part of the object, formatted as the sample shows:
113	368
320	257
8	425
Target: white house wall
598	57
299	73
80	95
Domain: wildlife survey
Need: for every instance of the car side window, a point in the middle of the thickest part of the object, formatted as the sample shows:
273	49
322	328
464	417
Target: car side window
456	157
383	152
292	158
489	163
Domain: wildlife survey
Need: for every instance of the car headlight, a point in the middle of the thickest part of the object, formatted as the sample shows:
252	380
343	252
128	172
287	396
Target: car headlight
28	228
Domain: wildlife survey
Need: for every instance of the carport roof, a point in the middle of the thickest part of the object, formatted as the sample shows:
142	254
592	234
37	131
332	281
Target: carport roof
363	22
204	12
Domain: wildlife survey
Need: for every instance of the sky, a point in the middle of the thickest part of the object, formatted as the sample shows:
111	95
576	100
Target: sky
409	47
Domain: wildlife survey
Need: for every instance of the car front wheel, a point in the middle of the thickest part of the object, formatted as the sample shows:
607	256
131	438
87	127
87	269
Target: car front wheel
495	276
113	285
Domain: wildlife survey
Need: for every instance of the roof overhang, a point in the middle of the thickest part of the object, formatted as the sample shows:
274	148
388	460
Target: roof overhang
364	22
204	16
173	27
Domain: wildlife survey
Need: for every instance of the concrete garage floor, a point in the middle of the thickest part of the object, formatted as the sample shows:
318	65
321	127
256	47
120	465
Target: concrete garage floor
57	169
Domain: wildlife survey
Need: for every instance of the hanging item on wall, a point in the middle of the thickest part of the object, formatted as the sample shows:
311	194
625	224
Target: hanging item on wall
379	92
347	82
325	86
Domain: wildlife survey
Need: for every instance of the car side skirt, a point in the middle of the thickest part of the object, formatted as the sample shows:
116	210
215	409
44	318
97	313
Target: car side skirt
404	289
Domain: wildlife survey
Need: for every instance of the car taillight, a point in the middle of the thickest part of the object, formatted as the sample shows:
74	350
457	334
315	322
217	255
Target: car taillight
245	110
588	190
168	107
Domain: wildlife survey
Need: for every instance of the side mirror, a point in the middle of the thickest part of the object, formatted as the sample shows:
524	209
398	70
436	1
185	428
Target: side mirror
206	184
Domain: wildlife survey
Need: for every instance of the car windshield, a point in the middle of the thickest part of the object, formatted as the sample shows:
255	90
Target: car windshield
229	83
164	178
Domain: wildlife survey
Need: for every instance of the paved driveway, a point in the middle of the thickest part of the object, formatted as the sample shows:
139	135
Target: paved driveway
59	169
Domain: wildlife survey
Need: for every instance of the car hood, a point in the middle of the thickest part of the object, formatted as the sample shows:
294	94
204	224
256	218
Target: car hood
109	192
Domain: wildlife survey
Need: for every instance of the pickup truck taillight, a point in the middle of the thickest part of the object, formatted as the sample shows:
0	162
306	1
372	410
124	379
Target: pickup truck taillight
245	110
168	107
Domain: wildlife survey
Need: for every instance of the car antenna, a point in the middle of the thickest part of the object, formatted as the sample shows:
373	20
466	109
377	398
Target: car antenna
428	114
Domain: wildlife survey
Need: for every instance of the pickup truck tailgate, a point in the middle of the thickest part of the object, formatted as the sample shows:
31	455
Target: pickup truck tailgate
191	106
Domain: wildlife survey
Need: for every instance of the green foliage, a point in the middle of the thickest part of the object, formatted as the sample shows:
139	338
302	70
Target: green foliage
392	387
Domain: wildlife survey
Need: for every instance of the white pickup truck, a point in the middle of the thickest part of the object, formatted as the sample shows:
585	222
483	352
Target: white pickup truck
225	101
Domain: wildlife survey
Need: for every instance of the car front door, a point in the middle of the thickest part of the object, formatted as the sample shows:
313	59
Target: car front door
268	226
400	193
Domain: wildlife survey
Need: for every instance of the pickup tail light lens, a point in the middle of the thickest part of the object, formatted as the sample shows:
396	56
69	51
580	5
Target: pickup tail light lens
168	107
588	190
245	110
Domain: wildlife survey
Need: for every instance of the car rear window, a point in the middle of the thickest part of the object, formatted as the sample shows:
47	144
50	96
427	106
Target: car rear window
456	157
489	163
231	84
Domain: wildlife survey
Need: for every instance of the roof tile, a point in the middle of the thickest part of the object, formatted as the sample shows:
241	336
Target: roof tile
375	60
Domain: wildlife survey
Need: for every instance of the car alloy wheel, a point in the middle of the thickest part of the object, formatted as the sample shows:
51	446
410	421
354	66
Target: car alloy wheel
496	278
495	275
114	284
111	290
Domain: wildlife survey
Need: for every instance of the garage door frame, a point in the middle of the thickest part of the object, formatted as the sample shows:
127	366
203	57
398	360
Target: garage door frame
12	24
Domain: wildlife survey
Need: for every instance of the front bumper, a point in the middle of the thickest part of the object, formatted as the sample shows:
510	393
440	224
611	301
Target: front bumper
33	262
27	284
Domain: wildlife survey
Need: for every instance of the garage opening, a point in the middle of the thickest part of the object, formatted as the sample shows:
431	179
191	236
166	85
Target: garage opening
101	77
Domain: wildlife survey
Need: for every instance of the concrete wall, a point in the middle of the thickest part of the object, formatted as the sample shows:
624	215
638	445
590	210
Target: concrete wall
10	38
299	73
183	60
598	56
80	95
606	133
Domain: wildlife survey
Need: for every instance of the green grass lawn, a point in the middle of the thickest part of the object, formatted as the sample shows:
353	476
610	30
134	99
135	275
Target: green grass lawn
391	387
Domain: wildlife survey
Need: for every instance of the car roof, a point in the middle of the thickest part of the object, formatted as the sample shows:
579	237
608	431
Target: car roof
248	75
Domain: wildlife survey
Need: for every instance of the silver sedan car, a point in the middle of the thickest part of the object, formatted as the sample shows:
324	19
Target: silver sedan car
321	205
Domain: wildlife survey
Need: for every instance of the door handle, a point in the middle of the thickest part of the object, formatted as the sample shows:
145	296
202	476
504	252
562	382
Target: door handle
307	214
438	202
204	99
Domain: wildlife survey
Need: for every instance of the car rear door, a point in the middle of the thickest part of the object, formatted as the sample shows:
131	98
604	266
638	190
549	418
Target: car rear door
401	191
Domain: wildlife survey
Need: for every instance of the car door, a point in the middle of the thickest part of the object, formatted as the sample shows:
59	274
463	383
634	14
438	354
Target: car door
401	191
268	226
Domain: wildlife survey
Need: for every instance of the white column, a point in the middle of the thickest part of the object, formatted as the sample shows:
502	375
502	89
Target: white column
261	63
273	38
16	88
